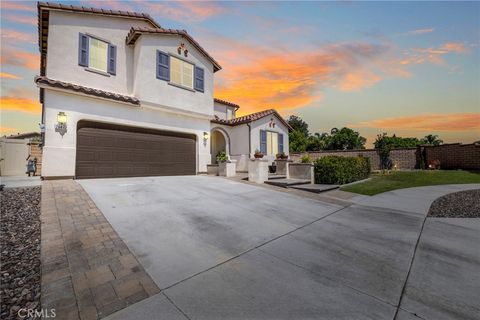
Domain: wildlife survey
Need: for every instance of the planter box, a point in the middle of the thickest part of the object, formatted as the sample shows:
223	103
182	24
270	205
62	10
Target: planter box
302	171
212	169
227	169
258	170
282	166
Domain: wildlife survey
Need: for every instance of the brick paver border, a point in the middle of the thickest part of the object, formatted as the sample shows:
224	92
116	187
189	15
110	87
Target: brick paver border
87	270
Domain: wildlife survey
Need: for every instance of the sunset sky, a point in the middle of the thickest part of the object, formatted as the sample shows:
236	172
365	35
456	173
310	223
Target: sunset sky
410	68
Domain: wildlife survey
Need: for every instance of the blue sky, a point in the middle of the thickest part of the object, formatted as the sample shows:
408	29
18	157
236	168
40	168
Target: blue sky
410	68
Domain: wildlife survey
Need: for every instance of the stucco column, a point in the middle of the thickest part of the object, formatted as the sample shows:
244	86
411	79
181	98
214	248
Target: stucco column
258	170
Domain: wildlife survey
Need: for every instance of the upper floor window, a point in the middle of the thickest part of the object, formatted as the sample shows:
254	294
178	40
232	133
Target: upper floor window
180	72
97	54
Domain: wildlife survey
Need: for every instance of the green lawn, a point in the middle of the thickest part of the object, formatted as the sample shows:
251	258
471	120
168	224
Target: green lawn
406	179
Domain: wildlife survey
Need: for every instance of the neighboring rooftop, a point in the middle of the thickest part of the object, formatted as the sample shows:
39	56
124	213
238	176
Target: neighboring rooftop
26	135
227	103
135	33
251	117
86	90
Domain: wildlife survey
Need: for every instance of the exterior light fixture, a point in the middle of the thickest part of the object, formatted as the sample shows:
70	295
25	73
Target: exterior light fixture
205	136
61	126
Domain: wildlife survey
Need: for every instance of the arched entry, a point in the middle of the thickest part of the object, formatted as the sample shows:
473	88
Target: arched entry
220	141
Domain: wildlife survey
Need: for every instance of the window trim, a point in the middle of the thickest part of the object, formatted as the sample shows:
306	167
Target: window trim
94	70
170	82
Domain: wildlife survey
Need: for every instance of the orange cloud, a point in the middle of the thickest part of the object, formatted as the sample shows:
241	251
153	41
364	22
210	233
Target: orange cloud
260	77
20	104
8	5
20	59
22	19
428	122
355	81
18	36
433	55
6	75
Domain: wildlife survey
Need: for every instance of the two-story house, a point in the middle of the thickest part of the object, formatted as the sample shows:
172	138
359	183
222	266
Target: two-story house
121	96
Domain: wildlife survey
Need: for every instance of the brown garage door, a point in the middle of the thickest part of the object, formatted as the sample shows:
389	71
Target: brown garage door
108	151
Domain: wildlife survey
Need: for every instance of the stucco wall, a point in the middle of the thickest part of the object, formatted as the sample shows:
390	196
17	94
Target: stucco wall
160	93
220	110
239	150
62	61
59	152
136	64
263	124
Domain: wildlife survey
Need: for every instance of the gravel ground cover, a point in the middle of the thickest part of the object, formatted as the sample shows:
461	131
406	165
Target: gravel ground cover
463	204
20	250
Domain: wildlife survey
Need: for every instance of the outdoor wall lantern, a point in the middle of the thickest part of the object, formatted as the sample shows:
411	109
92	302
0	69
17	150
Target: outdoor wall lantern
61	126
205	138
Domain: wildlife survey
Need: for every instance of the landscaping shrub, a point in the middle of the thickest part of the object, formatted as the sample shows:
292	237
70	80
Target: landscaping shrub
306	159
341	170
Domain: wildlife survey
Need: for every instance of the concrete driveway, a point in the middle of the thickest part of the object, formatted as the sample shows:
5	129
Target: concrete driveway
221	249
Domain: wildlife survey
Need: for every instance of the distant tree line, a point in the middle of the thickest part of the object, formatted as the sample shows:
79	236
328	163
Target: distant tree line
301	140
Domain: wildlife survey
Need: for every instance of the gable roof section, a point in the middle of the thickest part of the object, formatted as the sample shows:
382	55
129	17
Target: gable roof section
227	103
43	19
86	90
135	33
252	117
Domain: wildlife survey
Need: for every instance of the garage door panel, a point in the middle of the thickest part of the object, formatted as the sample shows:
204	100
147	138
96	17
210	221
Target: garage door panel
105	153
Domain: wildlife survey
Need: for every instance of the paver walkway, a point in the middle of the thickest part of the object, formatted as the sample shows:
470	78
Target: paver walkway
87	270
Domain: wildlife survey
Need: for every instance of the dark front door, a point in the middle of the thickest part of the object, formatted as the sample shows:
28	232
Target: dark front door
109	151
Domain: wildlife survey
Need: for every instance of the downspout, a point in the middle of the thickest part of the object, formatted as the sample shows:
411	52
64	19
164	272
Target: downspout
249	141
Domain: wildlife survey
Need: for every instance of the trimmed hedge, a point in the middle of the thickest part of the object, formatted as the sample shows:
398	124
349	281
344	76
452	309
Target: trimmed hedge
341	170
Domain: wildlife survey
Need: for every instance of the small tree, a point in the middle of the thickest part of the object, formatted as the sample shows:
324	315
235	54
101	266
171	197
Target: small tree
297	141
298	125
432	139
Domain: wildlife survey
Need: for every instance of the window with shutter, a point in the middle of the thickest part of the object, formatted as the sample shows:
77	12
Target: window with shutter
163	66
112	59
263	141
280	143
83	50
199	79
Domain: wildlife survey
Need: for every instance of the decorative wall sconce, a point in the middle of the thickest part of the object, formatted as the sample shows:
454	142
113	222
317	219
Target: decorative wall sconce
205	136
61	126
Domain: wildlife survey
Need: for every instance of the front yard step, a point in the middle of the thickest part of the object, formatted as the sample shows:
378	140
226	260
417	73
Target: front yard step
285	183
315	188
276	176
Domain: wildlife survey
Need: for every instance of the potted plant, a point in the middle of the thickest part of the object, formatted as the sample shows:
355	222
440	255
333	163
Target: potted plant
258	154
281	156
222	157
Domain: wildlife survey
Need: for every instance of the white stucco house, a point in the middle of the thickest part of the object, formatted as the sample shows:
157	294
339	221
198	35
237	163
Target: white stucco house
121	96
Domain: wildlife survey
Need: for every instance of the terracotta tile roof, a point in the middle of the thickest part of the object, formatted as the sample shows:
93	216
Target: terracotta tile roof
227	103
85	90
135	32
119	13
25	135
251	117
43	22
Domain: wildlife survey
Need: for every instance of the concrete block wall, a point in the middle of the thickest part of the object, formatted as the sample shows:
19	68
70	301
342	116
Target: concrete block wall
454	156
